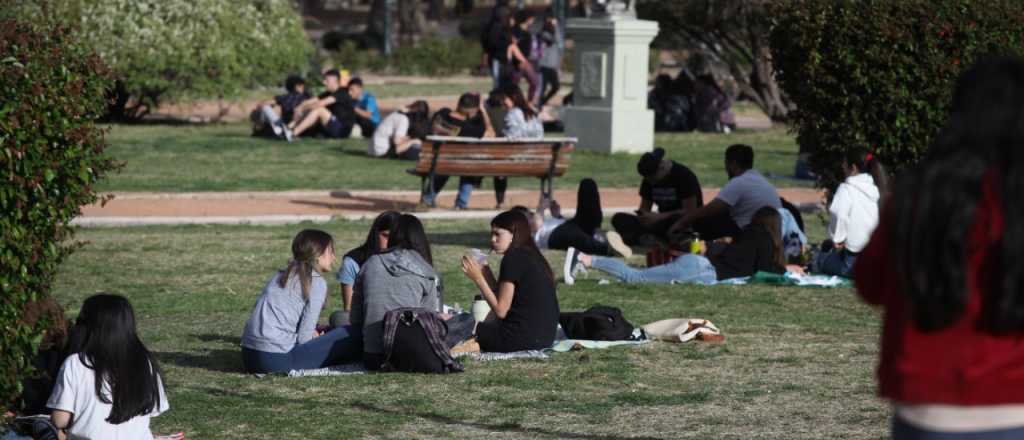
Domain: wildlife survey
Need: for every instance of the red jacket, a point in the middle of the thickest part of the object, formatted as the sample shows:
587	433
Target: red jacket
958	365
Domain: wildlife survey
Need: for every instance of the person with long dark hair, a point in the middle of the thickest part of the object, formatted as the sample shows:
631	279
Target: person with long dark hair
281	334
401	276
853	214
401	133
522	298
946	265
110	385
522	120
376	241
582	231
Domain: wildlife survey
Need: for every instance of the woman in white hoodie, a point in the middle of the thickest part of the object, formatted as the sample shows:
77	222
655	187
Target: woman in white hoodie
854	215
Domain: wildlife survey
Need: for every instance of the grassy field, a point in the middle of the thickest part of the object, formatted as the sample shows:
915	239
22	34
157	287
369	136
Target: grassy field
797	363
225	158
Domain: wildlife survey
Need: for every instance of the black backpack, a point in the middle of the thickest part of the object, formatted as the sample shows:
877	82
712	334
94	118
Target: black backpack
598	323
414	342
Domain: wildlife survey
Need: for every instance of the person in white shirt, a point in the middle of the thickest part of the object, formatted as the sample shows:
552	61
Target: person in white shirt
853	215
746	193
401	133
110	386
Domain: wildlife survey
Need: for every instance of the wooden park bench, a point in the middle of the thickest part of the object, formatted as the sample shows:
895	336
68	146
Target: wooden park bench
493	157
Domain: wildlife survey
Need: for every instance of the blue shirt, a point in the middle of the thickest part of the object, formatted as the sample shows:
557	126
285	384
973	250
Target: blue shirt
349	270
369	103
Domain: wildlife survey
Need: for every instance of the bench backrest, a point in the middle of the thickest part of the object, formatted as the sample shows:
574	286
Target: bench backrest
495	157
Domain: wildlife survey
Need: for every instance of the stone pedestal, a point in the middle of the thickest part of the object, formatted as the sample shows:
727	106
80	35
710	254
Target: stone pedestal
610	85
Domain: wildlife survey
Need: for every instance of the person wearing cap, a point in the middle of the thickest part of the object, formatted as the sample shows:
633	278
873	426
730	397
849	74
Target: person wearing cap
670	186
735	205
468	119
331	112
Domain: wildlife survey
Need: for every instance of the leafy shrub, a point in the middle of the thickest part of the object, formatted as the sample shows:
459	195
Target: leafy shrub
51	90
878	75
431	56
169	49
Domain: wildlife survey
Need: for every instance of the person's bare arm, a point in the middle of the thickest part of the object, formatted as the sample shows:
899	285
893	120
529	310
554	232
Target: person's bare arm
646	205
346	297
489	277
502	301
514	52
713	209
61	420
488	127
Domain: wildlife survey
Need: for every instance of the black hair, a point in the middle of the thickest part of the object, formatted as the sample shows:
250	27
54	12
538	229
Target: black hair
741	155
522	16
648	163
935	204
408	233
514	93
419	120
866	162
355	81
292	82
496	98
126	373
469	100
332	72
521	208
384	222
588	207
522	236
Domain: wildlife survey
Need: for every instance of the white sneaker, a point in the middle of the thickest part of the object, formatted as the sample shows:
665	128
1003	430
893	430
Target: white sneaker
618	245
288	135
278	128
569	270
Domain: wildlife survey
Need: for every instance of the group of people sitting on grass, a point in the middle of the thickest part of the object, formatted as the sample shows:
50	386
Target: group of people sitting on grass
344	105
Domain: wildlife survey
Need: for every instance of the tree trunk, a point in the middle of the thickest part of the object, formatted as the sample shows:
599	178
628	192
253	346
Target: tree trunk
375	22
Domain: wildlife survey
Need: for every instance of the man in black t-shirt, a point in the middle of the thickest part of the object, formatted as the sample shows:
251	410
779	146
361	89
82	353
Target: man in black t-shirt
670	186
467	120
332	111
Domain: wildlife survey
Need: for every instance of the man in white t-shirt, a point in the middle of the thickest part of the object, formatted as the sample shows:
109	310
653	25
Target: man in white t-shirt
746	192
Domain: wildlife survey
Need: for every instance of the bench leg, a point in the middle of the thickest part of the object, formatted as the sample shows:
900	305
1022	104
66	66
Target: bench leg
545	188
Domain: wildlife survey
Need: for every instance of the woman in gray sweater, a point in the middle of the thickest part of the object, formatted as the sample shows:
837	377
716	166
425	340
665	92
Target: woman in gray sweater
402	276
281	332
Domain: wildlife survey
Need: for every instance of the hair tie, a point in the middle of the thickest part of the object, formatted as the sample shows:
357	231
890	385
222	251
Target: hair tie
869	157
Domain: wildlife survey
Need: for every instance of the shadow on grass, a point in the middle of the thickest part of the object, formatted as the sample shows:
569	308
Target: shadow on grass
235	341
359	203
489	427
470	239
223	361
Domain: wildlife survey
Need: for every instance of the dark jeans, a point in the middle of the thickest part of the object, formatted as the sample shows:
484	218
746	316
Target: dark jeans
366	126
466	185
337	128
631	229
338	346
570	234
550	84
902	430
835	262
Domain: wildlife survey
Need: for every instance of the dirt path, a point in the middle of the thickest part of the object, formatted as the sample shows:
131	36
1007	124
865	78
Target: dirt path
355	204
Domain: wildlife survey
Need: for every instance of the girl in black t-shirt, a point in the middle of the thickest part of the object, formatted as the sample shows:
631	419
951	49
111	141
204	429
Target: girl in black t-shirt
523	298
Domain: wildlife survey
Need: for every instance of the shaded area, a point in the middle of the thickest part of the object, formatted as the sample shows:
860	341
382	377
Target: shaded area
219	360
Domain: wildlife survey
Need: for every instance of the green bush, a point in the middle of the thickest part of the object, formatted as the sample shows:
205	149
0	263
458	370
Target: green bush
431	57
878	75
51	90
171	49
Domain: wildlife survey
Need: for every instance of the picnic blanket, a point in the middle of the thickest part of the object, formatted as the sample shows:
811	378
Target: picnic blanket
789	279
487	357
335	370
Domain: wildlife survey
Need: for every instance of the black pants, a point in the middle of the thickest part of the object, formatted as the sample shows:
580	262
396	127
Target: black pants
366	126
551	84
570	234
631	229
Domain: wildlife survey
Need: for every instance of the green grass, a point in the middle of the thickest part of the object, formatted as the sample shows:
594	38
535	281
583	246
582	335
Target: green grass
797	363
225	158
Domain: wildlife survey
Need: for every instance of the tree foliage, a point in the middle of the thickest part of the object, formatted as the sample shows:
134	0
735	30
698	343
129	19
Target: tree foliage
732	33
878	75
51	91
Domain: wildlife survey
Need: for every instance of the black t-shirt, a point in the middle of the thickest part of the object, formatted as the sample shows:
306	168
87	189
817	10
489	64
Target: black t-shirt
343	105
446	125
524	39
668	194
497	43
531	321
750	253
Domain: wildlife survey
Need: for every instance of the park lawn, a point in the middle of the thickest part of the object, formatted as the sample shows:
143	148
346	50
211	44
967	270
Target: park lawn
797	363
187	158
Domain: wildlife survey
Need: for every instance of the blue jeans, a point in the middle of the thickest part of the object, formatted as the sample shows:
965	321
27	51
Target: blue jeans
834	262
902	430
465	191
688	268
338	346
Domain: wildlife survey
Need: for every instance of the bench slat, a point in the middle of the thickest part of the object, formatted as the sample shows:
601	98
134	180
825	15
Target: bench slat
532	159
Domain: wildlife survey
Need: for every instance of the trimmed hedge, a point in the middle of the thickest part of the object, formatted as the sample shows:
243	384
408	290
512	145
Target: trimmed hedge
52	89
878	75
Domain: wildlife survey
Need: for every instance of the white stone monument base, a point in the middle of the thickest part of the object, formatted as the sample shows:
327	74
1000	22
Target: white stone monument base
610	130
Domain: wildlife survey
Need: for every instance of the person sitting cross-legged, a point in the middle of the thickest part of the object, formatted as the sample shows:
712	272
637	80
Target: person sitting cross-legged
670	186
332	112
364	106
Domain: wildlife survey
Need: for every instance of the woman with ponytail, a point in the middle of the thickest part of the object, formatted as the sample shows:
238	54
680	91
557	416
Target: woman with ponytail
522	298
854	215
281	332
110	385
946	265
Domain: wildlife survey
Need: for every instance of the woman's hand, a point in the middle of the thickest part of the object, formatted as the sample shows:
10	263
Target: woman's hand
472	269
795	269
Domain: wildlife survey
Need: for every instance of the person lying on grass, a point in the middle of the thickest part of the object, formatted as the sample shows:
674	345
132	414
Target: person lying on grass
401	276
757	249
281	334
110	385
376	241
522	299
